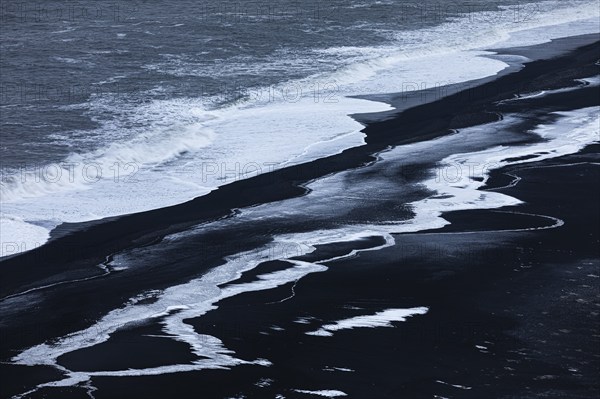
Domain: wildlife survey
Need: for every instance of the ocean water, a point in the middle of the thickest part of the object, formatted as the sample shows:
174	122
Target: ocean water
114	109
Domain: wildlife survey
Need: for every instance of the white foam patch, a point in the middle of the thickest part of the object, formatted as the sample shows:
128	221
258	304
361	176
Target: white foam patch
380	319
303	320
18	235
328	393
592	81
170	151
463	387
342	369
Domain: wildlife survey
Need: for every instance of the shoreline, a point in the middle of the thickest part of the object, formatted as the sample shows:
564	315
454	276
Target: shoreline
74	255
400	101
261	189
544	51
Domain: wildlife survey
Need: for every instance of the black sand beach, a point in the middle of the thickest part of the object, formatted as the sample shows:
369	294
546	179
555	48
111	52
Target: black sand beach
512	313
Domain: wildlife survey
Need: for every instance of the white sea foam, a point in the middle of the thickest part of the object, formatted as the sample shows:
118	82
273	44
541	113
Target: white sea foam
592	81
328	393
458	177
466	388
171	308
22	236
379	319
342	369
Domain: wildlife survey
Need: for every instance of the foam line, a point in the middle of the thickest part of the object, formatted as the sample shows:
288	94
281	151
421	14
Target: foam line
379	319
328	393
172	307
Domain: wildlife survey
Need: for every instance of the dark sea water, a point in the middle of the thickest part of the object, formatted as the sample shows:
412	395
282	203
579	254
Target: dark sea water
108	109
76	75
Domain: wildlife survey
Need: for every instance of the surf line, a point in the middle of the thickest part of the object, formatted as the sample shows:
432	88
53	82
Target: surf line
104	266
287	298
389	241
557	223
514	182
517	179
